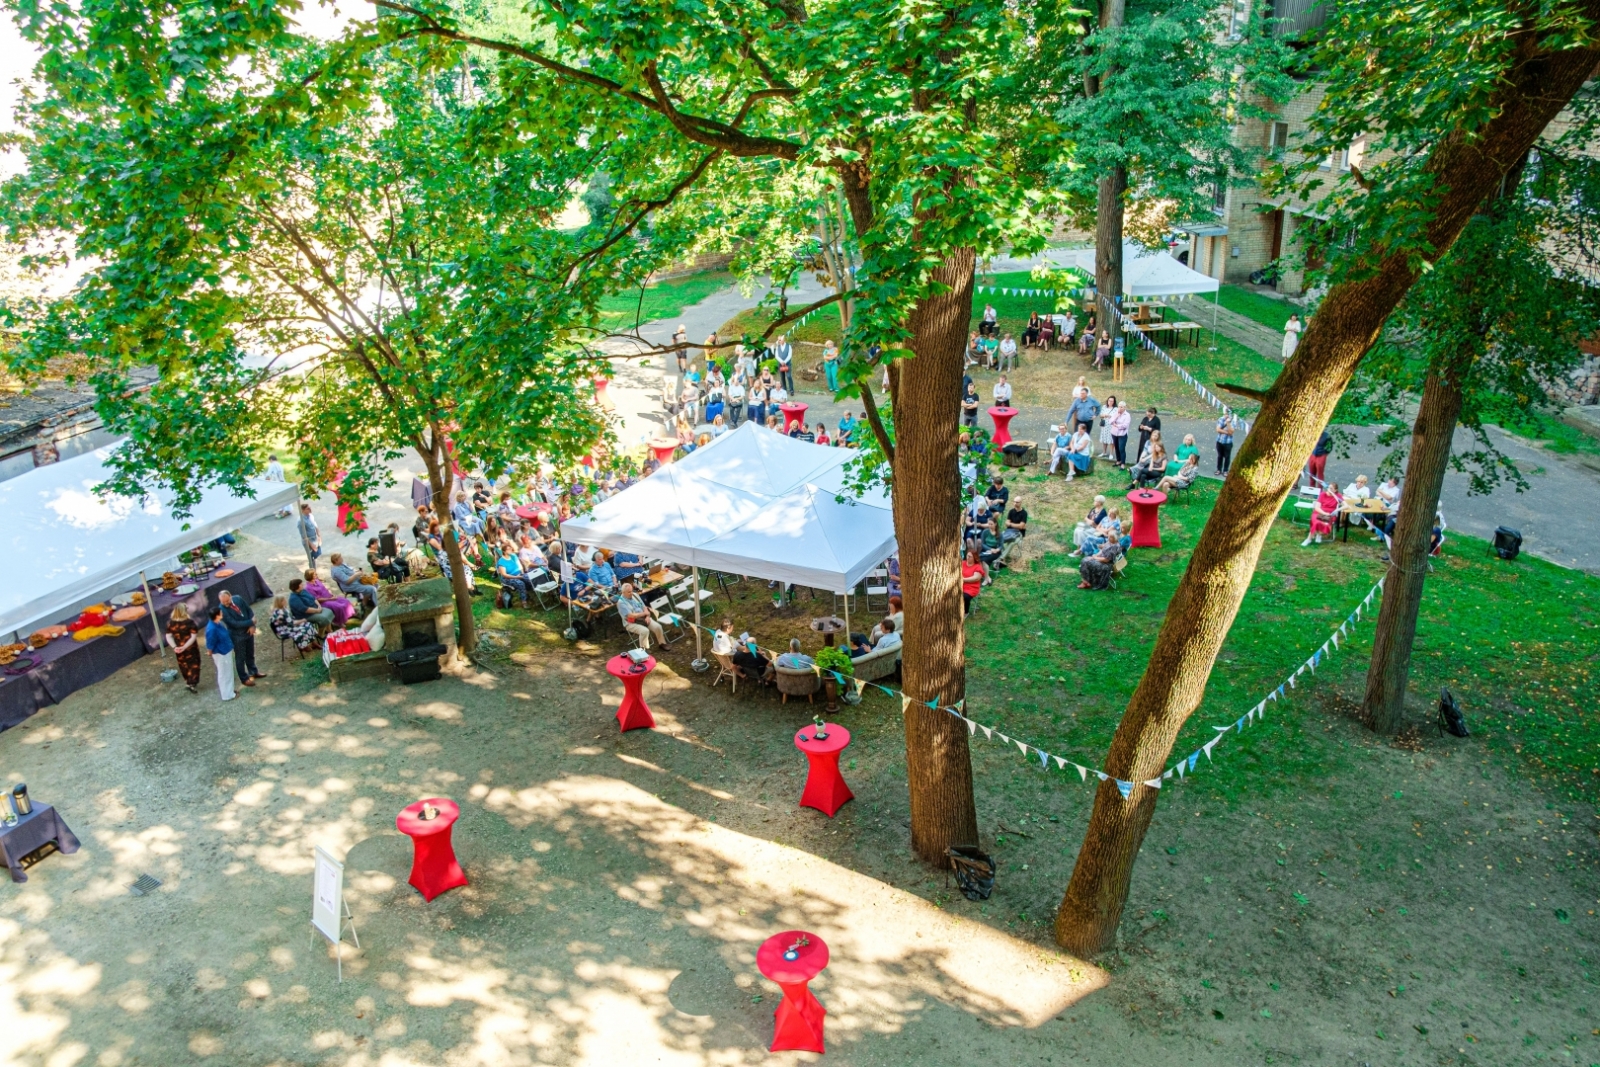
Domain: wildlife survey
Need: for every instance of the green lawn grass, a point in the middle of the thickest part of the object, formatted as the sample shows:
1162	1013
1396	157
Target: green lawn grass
661	300
1055	666
1252	305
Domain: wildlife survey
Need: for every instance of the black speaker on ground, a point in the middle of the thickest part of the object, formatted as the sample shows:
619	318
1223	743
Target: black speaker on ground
387	546
1507	542
417	664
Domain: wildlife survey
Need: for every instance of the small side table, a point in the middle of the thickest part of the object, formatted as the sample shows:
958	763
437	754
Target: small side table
825	789
434	869
798	1018
1002	417
38	828
634	714
1146	525
793	412
601	397
663	449
827	627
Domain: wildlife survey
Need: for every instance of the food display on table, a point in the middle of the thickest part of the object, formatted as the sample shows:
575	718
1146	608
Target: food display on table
136	599
226	572
129	613
8	653
44	635
185	590
170	580
94	615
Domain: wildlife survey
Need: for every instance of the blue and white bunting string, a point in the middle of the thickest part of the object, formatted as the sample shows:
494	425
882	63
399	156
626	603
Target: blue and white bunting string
1000	290
1181	768
1130	329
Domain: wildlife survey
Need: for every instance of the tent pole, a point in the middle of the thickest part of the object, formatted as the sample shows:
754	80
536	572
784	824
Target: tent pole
1214	305
847	620
699	663
155	624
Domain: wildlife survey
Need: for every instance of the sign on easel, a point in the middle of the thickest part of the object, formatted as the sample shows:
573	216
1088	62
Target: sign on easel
329	912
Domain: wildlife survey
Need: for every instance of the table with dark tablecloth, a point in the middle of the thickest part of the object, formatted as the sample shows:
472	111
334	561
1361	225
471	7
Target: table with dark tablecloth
34	830
66	665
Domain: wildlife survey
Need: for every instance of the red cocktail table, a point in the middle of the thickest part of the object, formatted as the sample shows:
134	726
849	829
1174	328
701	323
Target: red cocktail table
825	789
1002	417
600	396
798	1023
433	867
1146	525
532	512
663	449
634	713
793	412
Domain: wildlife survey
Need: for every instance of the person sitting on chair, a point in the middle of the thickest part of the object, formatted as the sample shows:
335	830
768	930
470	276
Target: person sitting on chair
302	605
884	635
1097	570
748	657
349	581
794	659
1185	476
1323	513
1152	466
1016	523
386	567
897	615
639	619
508	571
601	574
628	566
1080	452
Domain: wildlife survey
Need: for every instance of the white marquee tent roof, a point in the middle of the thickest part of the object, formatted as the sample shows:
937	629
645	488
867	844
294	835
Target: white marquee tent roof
751	502
69	547
1153	273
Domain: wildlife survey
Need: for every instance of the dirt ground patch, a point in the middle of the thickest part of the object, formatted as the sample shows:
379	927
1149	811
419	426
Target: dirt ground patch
1412	907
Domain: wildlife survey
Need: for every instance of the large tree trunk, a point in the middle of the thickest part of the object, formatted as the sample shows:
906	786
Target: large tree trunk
1465	167
441	480
927	515
1108	244
1396	631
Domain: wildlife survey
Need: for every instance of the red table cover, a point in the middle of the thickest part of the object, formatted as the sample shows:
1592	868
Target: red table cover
799	1015
634	714
434	869
1002	417
1146	523
793	412
825	789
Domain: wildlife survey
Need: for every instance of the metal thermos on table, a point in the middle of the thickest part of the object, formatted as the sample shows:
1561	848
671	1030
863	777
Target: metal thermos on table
20	801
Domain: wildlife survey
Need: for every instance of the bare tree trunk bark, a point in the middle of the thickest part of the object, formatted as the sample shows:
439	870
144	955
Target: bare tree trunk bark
1108	245
441	480
1396	631
927	514
1466	166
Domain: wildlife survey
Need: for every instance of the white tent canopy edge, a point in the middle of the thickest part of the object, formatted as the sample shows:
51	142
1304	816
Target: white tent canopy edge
71	547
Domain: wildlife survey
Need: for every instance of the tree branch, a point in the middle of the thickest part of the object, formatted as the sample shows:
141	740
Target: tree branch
808	309
869	407
1241	390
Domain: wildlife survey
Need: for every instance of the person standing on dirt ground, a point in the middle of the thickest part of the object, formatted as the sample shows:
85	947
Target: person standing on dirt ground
1317	465
241	623
220	644
783	352
310	535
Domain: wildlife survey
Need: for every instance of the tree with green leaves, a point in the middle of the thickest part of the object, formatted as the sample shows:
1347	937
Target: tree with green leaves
1453	94
1149	93
915	111
1479	337
344	251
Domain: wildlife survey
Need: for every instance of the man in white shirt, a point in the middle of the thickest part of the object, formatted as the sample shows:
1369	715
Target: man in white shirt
1002	390
735	395
275	474
1008	353
583	558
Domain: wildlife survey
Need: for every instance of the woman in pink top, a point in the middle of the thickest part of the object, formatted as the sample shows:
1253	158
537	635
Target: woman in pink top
1322	513
1119	433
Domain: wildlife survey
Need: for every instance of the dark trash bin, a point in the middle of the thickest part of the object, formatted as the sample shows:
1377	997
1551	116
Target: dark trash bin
419	664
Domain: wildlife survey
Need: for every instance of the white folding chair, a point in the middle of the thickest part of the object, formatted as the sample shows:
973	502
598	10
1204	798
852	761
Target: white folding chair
543	590
878	585
686	604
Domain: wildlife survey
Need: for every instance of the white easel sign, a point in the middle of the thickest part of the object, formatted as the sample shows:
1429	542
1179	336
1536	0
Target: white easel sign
329	912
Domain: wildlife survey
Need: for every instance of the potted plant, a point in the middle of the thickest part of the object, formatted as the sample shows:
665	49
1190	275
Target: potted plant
833	662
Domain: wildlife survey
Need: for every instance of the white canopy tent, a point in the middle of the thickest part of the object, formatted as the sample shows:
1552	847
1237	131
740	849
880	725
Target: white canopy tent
70	547
1147	273
751	502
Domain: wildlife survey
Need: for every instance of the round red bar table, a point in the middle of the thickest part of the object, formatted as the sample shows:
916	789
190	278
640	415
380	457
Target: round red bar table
1146	525
1002	425
600	395
825	789
798	1019
434	869
663	449
634	713
793	412
532	512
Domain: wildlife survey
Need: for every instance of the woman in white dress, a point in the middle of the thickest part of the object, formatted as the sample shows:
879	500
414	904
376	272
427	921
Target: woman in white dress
1107	413
1291	336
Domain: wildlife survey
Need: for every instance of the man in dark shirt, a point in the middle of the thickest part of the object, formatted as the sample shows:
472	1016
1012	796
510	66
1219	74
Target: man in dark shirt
1016	523
241	624
998	494
302	605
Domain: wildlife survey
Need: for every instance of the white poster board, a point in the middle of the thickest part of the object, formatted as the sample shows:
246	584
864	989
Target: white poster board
567	574
327	898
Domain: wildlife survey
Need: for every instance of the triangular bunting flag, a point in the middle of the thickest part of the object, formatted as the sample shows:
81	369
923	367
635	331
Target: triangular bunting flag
988	733
1167	773
1061	764
972	728
860	684
1207	747
1125	788
1183	765
1102	775
961	705
905	702
1044	759
1153	783
934	703
1239	726
1004	738
1023	747
1083	772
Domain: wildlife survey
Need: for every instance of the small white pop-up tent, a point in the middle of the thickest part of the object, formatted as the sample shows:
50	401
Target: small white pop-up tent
751	502
69	546
1147	273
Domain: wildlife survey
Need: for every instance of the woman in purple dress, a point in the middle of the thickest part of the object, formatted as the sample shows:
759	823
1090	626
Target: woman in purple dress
342	609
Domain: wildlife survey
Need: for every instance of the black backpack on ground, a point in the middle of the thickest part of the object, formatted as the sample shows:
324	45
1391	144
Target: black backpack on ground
1450	718
974	871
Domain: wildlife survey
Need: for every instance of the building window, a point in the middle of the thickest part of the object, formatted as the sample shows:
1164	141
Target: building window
1219	196
1278	137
